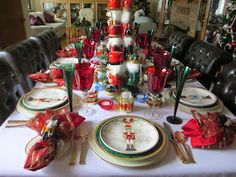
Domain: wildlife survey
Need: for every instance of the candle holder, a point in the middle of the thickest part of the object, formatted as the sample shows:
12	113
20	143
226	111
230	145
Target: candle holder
182	73
125	102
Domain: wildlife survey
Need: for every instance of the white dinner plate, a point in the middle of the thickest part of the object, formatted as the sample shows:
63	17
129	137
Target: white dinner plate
197	97
62	147
45	98
60	61
113	135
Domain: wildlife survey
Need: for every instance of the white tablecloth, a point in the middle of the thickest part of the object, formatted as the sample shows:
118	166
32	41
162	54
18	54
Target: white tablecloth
209	162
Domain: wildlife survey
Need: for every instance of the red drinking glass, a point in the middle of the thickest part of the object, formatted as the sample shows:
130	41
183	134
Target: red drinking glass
160	59
156	82
88	48
84	73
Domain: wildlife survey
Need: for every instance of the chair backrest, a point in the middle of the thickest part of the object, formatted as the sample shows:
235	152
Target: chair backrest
207	59
10	90
25	58
49	43
181	41
145	27
87	14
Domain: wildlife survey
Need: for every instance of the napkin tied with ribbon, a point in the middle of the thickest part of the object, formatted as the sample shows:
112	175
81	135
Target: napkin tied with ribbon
210	130
44	151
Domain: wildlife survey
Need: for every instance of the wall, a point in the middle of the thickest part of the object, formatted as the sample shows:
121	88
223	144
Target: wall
35	5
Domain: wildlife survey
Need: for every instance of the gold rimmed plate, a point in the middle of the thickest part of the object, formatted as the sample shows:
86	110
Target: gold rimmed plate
144	160
144	134
157	149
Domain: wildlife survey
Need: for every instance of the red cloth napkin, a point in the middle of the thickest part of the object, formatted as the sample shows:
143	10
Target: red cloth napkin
207	131
44	151
41	154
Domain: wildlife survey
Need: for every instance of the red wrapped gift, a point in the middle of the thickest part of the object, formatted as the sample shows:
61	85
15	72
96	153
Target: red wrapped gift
209	131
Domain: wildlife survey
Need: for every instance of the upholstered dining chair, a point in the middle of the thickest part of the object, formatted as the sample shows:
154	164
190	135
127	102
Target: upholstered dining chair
181	41
10	90
207	59
49	43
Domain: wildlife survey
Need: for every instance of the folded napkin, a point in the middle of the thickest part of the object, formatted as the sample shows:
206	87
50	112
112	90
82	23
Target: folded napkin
211	130
71	52
51	75
53	126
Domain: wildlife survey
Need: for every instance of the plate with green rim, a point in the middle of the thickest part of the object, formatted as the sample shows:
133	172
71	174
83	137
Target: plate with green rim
148	160
116	134
45	98
130	157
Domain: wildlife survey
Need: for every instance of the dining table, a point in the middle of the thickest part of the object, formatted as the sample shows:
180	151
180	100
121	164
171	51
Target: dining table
209	162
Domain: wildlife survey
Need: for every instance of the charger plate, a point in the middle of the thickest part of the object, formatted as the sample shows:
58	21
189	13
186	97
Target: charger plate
61	151
21	108
45	98
146	135
131	160
217	107
197	97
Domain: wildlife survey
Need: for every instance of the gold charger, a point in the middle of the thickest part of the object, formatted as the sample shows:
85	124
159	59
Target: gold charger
148	159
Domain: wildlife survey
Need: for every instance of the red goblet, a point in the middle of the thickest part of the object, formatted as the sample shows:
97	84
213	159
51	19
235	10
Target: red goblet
156	82
84	79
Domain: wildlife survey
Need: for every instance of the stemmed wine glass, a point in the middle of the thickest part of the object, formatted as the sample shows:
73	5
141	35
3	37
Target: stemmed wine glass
182	73
84	79
156	82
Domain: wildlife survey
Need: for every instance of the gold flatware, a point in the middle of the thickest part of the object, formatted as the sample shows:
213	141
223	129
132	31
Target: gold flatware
171	138
16	121
180	138
74	150
15	126
84	133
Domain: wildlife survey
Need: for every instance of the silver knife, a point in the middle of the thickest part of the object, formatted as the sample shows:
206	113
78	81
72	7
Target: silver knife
171	138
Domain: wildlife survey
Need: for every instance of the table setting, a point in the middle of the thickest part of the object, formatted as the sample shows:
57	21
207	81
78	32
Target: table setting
116	105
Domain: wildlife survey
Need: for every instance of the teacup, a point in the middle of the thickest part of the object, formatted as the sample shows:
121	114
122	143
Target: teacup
115	57
115	30
113	4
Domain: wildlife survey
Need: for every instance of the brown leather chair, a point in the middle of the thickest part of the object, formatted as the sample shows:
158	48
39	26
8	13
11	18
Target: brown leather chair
49	43
10	90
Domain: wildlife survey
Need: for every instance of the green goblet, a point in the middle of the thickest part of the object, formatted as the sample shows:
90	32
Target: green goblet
68	75
182	73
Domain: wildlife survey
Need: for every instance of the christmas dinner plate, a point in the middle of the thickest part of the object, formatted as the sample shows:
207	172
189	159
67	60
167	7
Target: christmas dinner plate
45	98
197	97
152	156
129	135
60	61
